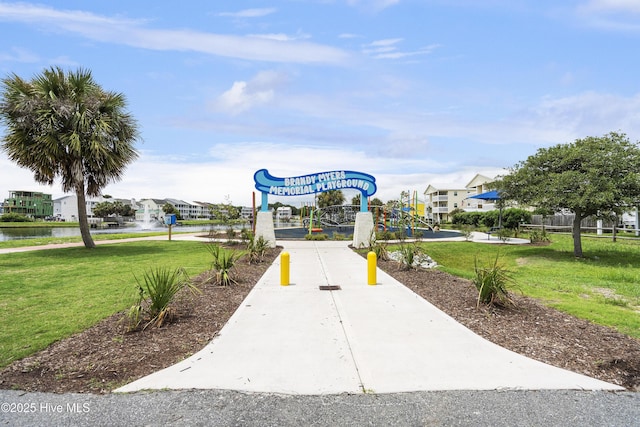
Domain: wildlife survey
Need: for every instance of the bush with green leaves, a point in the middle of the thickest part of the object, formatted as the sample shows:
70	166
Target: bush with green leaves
231	234
156	291
15	217
538	236
467	218
491	282
316	236
467	232
511	218
246	235
504	234
385	235
380	249
223	263
256	248
409	255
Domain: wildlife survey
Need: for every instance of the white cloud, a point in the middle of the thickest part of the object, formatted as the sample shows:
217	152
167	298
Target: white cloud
611	15
375	5
585	114
625	6
134	33
249	13
229	168
387	49
243	96
281	37
17	54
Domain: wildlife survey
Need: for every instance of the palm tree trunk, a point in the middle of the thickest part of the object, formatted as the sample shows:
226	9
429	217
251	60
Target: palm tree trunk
82	217
577	241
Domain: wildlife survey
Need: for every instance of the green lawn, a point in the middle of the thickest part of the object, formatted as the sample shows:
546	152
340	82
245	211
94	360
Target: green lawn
604	287
49	295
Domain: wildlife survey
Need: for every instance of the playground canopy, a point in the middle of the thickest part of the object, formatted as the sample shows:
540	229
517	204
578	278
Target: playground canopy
492	195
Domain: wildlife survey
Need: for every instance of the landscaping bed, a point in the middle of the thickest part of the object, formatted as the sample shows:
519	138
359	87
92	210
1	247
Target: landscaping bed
105	356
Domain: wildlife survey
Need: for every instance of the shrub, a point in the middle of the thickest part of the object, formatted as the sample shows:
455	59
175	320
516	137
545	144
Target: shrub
380	249
504	234
491	283
385	235
156	292
246	235
490	219
468	218
223	263
15	217
538	236
316	236
409	254
231	234
467	231
513	217
256	248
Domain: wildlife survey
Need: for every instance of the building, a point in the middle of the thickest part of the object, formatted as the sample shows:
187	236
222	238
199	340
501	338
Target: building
247	212
201	210
66	208
151	208
29	203
479	184
283	213
441	202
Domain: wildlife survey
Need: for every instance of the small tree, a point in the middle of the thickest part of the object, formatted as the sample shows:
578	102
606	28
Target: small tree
590	176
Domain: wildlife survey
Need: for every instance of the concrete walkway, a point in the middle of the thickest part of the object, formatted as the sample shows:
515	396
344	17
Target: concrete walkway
301	340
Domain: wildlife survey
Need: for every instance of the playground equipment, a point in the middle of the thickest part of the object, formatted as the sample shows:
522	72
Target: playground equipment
405	215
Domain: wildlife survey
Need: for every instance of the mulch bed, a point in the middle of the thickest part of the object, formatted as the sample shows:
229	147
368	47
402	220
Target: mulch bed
106	356
531	328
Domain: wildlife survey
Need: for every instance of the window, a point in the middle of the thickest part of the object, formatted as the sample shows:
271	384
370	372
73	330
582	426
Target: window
455	193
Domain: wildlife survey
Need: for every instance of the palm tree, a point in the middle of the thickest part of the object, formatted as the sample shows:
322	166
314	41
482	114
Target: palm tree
64	125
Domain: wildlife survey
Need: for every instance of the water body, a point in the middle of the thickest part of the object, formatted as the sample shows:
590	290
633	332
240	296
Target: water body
40	232
346	231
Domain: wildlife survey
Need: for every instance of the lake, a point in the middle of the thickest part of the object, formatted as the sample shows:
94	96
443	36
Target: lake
40	232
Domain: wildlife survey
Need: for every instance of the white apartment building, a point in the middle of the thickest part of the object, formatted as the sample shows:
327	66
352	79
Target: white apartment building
478	185
440	202
66	207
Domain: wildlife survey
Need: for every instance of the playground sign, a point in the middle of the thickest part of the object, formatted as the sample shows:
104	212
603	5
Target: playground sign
314	183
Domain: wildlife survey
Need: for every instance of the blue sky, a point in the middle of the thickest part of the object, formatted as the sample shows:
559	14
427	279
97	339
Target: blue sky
411	92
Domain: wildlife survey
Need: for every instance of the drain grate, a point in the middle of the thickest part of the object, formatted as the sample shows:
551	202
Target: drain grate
329	287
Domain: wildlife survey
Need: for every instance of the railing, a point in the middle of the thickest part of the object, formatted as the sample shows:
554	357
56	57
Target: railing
440	198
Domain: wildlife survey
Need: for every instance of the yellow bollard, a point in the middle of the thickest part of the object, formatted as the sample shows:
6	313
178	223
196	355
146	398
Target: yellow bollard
284	269
372	268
